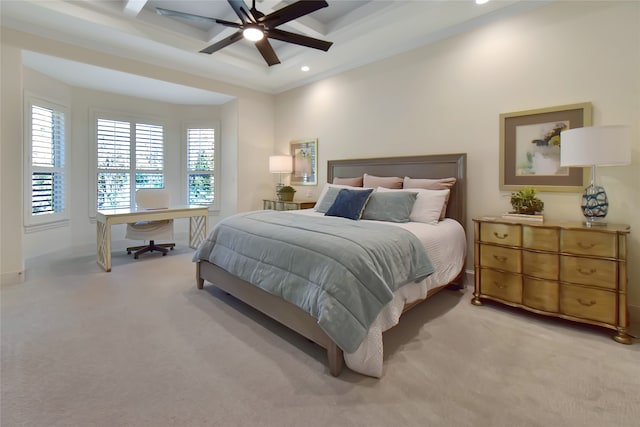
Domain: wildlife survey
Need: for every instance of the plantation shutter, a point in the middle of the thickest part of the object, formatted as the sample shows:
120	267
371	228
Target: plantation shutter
201	165
114	164
47	160
149	156
130	156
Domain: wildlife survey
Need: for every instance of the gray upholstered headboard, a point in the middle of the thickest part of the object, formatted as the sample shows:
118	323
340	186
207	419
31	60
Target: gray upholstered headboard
434	166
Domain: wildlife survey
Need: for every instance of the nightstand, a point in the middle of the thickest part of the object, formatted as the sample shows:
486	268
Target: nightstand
558	269
278	205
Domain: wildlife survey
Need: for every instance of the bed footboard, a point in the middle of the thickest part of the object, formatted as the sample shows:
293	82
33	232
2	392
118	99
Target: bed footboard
278	309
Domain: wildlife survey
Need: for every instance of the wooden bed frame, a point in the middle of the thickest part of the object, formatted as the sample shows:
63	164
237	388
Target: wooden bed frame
434	166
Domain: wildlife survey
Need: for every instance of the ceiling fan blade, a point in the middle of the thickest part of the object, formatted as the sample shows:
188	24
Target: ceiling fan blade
175	13
228	23
299	39
291	12
267	52
223	43
242	10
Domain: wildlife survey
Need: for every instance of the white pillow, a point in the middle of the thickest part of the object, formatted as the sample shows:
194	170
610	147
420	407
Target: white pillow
326	187
428	205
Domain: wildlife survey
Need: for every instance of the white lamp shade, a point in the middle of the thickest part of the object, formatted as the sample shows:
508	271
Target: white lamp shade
280	164
596	145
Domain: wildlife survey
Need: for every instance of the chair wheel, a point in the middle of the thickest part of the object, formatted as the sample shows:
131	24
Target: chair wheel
171	248
135	257
164	254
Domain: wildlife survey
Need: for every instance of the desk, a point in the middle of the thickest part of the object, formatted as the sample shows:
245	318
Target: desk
198	220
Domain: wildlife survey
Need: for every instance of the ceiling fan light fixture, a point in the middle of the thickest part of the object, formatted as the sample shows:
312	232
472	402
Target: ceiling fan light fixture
253	33
257	27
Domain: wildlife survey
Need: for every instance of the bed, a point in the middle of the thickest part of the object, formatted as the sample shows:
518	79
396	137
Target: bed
367	359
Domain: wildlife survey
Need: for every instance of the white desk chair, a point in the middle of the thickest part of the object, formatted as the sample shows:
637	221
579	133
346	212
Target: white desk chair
151	198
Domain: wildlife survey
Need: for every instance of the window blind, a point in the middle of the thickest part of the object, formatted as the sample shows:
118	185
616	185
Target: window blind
47	160
126	164
201	165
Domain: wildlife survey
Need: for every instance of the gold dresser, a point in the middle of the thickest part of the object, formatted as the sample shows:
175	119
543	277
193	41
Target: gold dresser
557	269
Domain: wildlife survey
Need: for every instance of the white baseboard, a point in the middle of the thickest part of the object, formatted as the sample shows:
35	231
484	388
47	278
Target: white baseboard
469	279
12	278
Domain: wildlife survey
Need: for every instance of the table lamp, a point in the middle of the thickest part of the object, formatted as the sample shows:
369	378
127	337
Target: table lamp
280	164
595	146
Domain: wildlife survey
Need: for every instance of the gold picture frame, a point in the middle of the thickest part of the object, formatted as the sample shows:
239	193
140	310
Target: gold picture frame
305	161
530	148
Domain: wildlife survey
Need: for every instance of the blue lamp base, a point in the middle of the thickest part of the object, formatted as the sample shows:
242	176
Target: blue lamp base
595	205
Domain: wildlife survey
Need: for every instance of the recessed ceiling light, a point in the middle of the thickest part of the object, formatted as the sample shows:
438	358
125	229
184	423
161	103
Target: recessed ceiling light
305	68
482	1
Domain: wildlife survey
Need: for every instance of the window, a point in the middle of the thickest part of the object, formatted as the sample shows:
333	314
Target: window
201	170
129	156
45	169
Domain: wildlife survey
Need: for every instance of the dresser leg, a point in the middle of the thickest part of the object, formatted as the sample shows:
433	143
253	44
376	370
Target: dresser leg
622	336
475	300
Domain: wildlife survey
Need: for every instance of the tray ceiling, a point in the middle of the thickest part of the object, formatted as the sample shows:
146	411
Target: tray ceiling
362	31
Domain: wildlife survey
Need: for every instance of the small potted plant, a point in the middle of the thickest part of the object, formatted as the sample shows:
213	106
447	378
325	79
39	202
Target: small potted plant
285	194
526	202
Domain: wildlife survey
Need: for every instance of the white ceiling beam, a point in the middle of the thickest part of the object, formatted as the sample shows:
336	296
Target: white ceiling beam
133	7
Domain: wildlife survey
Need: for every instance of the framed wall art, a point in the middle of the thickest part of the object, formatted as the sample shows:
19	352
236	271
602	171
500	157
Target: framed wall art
530	148
305	162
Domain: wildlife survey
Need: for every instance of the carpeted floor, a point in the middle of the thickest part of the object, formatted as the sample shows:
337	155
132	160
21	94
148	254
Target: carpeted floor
141	346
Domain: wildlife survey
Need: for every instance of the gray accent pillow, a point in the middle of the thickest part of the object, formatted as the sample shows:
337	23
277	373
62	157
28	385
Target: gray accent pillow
390	206
328	199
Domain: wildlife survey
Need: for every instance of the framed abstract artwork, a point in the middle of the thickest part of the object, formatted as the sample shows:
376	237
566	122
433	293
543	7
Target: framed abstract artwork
305	162
530	148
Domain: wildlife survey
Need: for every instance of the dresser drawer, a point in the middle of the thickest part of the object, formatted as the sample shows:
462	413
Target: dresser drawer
591	243
541	294
540	238
587	303
501	258
560	269
506	286
587	271
504	234
541	265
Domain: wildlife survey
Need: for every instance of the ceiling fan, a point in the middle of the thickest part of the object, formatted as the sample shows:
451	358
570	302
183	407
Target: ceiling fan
258	27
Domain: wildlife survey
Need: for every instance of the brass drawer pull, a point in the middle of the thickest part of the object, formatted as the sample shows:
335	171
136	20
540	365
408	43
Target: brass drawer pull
586	245
587	303
500	236
500	258
586	272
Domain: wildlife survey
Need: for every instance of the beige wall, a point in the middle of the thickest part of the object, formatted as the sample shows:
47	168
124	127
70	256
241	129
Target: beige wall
247	129
447	98
438	99
11	260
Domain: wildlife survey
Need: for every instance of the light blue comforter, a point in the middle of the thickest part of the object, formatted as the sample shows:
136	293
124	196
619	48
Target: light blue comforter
340	271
